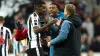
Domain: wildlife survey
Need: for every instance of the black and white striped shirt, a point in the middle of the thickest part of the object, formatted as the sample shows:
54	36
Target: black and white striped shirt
33	39
5	36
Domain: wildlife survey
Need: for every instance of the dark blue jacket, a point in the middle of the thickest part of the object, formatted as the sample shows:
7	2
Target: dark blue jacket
68	40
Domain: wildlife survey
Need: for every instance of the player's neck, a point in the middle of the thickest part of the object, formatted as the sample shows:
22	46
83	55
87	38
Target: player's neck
1	24
39	14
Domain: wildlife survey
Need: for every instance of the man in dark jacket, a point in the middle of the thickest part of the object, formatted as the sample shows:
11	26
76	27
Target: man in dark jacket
67	43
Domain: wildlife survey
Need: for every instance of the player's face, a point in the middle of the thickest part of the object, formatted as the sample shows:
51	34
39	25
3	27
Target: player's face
53	9
43	9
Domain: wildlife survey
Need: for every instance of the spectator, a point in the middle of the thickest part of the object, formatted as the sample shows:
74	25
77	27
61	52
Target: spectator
95	46
97	27
89	27
18	46
85	43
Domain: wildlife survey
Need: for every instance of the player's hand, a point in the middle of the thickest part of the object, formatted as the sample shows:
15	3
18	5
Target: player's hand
53	21
48	44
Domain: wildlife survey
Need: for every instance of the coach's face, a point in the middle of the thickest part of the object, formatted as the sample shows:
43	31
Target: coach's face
53	9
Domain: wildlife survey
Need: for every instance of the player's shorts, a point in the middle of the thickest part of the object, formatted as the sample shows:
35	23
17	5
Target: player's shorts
34	52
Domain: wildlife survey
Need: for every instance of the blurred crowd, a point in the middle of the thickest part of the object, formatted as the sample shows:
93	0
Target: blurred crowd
89	10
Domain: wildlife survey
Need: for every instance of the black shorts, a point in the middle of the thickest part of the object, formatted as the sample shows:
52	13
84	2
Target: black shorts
33	52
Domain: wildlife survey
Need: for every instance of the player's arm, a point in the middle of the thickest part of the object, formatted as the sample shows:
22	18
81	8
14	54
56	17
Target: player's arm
37	29
9	40
10	45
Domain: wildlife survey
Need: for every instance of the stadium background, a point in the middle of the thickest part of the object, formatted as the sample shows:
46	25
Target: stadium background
89	10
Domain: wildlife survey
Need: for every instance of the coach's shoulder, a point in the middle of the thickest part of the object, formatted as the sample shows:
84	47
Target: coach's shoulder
66	22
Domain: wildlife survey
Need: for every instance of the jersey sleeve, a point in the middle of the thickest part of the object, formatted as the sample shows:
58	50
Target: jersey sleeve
9	34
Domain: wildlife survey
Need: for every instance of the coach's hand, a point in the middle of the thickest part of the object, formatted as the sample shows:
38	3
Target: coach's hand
48	44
